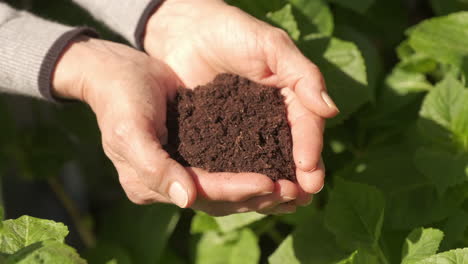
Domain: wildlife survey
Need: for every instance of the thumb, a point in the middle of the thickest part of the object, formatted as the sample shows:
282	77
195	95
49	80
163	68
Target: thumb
292	69
157	170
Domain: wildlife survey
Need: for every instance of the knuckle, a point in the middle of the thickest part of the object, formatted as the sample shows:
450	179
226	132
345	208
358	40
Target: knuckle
119	133
114	138
278	35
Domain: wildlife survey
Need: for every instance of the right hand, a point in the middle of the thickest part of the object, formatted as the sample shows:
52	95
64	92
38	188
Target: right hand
128	91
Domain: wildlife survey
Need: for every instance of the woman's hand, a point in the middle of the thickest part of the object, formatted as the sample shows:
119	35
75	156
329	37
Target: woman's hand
200	39
128	92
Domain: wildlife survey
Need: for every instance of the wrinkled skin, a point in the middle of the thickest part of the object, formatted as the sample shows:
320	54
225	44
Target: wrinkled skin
189	42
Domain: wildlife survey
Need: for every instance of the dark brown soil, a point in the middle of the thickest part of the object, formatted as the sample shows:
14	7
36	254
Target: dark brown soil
232	125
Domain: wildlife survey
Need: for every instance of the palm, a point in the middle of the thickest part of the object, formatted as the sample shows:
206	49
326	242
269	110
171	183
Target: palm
210	38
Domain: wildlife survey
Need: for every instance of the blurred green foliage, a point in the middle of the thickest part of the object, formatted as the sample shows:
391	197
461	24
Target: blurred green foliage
397	155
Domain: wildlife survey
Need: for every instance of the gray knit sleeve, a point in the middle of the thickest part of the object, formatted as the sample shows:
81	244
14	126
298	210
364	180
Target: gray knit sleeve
29	50
126	17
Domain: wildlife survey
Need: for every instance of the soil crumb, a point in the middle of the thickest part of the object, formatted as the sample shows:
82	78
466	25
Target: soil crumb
231	125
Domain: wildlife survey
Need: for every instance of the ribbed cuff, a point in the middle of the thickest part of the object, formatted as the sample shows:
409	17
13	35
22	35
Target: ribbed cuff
52	56
126	17
141	25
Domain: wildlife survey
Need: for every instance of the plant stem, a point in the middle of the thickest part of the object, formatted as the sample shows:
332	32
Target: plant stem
84	232
381	255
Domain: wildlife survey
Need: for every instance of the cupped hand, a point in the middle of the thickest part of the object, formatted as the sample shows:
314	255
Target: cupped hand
128	92
200	39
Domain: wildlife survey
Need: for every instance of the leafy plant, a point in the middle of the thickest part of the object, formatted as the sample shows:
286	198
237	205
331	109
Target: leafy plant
397	155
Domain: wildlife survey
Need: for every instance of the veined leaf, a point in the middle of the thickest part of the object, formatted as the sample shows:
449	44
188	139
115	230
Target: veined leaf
236	221
360	256
143	231
446	107
26	230
202	222
457	256
420	244
310	243
344	70
444	169
285	19
355	213
49	251
405	82
442	38
229	248
314	18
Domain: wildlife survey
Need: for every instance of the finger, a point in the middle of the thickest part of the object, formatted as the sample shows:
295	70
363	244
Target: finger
306	130
136	190
285	191
285	208
312	182
292	69
136	143
230	187
303	198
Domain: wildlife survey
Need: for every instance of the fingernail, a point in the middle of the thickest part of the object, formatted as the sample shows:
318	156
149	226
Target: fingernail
178	195
329	101
265	193
319	190
287	199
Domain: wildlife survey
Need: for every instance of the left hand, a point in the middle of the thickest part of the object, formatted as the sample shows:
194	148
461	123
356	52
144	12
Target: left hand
200	39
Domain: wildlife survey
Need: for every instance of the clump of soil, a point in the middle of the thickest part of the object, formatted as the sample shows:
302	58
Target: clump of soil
232	125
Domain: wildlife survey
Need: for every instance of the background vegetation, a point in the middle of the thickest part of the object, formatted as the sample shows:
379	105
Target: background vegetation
397	156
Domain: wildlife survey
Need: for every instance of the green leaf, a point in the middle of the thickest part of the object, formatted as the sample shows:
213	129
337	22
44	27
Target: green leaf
310	243
360	256
246	250
49	251
419	63
344	70
445	106
444	169
285	19
457	256
355	213
359	6
236	221
405	82
314	18
231	248
142	231
26	230
370	53
442	38
408	192
258	8
421	243
404	50
202	222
